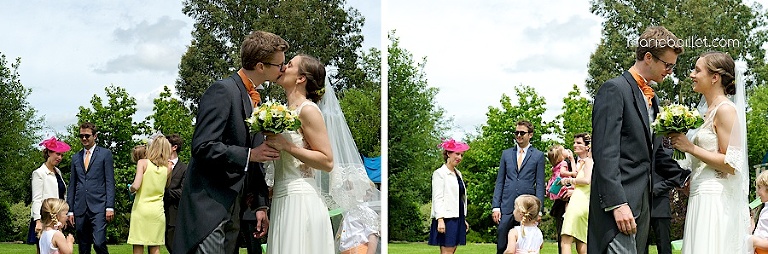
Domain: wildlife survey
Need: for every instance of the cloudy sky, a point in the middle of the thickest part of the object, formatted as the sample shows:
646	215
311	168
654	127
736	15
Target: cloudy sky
71	50
476	52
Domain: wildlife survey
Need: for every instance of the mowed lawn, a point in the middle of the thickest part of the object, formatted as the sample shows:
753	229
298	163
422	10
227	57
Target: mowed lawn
423	248
113	249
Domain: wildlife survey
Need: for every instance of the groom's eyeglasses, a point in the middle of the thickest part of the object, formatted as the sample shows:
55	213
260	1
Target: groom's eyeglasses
281	66
667	66
520	133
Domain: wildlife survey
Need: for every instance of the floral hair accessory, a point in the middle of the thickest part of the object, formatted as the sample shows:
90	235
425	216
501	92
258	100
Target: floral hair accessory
454	146
55	145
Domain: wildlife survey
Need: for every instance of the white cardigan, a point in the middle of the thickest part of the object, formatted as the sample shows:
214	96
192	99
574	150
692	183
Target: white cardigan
44	185
445	194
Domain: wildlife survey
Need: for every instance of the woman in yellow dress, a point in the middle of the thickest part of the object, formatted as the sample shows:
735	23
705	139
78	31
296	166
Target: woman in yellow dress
147	216
577	213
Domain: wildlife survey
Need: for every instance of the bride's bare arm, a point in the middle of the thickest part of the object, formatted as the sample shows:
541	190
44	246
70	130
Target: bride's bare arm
724	120
319	154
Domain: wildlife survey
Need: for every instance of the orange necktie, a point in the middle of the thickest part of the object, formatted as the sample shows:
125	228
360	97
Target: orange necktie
519	159
647	90
255	97
87	159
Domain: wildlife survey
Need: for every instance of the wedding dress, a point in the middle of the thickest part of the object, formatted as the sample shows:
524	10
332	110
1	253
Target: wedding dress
717	202
299	221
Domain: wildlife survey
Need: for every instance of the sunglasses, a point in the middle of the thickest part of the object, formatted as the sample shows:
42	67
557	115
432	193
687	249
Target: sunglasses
85	136
520	133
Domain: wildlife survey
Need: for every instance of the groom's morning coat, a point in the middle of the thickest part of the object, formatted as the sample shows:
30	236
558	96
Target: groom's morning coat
625	151
216	174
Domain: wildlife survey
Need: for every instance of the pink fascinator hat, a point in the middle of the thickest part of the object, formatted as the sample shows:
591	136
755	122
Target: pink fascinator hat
55	145
454	146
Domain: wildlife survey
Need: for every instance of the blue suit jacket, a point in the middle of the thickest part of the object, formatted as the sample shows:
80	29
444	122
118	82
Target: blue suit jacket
93	190
510	183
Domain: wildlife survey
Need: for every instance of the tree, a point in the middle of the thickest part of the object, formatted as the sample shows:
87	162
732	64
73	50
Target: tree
323	29
362	107
18	138
481	162
114	122
576	116
414	133
729	26
757	125
171	116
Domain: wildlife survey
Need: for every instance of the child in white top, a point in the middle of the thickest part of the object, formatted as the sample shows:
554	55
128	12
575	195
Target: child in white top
526	238
52	240
359	232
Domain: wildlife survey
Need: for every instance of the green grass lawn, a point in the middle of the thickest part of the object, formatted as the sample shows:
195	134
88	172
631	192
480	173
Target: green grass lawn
419	248
114	249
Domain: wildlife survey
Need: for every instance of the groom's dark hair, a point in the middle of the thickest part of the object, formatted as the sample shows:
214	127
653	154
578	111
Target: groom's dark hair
656	40
259	47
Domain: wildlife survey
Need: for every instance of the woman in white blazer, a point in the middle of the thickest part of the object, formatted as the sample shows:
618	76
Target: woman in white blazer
46	183
449	200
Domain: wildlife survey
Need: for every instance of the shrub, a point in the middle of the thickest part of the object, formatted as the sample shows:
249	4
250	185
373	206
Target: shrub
20	217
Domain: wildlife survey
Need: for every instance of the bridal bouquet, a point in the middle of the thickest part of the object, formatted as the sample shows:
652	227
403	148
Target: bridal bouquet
273	117
676	118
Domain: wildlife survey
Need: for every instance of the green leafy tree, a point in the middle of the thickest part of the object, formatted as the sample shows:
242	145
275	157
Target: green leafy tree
362	106
324	29
171	116
481	162
115	132
18	138
416	125
757	124
576	116
727	25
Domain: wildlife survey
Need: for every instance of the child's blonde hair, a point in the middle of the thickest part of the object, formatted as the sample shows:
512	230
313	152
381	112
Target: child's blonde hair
529	206
760	180
49	212
139	152
555	154
159	151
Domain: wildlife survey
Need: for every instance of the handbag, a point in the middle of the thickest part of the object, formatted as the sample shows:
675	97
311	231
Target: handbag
555	187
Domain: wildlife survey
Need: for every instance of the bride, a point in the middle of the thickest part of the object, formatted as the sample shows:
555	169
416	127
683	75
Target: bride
718	215
300	221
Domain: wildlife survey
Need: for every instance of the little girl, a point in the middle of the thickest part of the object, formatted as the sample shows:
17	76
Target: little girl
557	156
52	241
759	237
527	237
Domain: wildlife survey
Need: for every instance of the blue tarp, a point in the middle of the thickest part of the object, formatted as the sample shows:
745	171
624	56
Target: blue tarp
373	168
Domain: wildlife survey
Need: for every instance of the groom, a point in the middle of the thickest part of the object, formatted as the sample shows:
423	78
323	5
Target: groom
224	154
626	150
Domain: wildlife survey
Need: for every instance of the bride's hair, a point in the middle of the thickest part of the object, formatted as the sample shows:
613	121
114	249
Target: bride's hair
722	63
314	71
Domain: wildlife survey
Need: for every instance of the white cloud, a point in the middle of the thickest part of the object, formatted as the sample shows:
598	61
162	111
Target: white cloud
475	52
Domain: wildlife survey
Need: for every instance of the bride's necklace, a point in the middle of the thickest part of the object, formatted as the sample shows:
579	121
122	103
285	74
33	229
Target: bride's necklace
297	104
713	106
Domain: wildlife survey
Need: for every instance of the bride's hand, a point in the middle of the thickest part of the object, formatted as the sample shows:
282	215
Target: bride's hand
278	142
681	142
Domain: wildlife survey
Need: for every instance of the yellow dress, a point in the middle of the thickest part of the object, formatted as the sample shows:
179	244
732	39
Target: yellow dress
147	214
577	213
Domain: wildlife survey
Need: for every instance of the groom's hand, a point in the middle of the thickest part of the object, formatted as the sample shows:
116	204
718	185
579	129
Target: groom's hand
263	153
625	220
262	223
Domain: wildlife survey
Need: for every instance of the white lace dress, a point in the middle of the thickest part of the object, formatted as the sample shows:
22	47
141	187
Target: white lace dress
299	221
712	223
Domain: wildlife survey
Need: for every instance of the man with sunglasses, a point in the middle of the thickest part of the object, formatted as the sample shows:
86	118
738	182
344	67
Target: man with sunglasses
626	151
521	171
91	193
224	175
